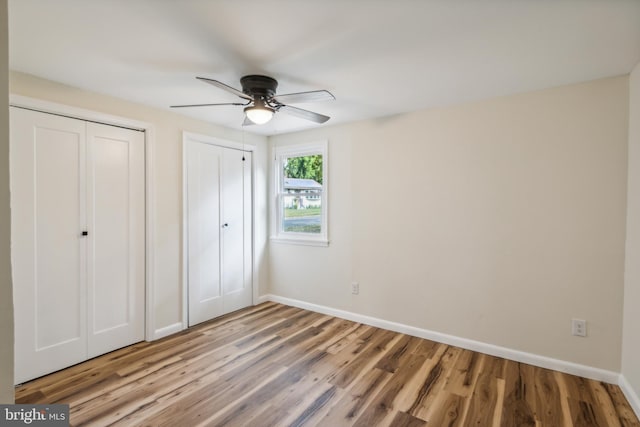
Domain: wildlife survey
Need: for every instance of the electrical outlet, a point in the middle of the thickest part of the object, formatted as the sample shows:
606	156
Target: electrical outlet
579	327
355	288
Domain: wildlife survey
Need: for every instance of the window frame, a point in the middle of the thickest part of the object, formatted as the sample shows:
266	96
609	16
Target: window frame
280	153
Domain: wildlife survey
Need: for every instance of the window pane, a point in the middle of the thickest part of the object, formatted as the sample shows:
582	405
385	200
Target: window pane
302	213
308	169
302	198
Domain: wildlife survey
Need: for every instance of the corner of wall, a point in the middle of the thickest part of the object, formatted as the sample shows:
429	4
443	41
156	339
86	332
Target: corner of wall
6	298
630	376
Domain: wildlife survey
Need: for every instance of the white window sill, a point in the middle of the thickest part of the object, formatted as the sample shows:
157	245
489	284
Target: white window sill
300	241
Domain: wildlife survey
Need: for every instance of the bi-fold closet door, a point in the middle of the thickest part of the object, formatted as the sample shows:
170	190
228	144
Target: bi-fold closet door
218	236
78	233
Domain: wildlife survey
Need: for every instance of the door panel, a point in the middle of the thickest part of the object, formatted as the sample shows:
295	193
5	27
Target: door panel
47	199
57	244
115	188
237	285
247	183
203	231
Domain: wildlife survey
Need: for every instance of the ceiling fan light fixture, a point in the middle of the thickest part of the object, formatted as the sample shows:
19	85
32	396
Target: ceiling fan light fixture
259	114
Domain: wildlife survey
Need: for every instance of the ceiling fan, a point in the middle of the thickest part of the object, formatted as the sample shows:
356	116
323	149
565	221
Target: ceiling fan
261	101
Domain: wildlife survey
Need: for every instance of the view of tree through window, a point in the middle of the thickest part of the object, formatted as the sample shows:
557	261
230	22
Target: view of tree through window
302	201
306	167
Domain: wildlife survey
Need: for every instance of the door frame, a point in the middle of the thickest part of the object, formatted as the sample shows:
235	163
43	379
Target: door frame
150	213
206	139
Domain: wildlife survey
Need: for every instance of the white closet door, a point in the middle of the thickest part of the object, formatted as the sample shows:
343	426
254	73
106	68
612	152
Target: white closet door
218	230
116	277
48	250
203	165
236	180
76	296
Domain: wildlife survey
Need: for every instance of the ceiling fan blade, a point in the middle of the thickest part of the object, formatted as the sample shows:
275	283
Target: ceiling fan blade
247	122
225	87
206	105
304	114
311	96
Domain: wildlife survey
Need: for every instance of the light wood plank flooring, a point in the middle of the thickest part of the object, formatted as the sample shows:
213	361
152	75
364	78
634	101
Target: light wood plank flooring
274	365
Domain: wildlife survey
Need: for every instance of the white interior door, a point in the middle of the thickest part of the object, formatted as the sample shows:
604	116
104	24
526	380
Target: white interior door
115	208
218	234
48	250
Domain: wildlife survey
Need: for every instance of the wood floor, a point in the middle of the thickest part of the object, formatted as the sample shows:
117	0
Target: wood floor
273	365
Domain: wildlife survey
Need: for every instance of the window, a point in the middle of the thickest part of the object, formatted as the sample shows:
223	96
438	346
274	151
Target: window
301	194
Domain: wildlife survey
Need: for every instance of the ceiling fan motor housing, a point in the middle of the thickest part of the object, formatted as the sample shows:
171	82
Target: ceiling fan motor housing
256	85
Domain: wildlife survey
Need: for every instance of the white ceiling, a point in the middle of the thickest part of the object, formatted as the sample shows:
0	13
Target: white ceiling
378	57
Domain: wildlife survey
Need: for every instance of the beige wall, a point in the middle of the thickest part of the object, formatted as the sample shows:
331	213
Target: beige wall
631	329
6	298
168	180
496	221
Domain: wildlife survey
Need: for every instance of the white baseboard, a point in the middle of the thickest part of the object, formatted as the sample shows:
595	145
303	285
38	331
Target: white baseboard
167	330
630	394
493	350
263	298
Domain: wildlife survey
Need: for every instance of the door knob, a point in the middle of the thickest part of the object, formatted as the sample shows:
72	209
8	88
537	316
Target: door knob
225	225
85	233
